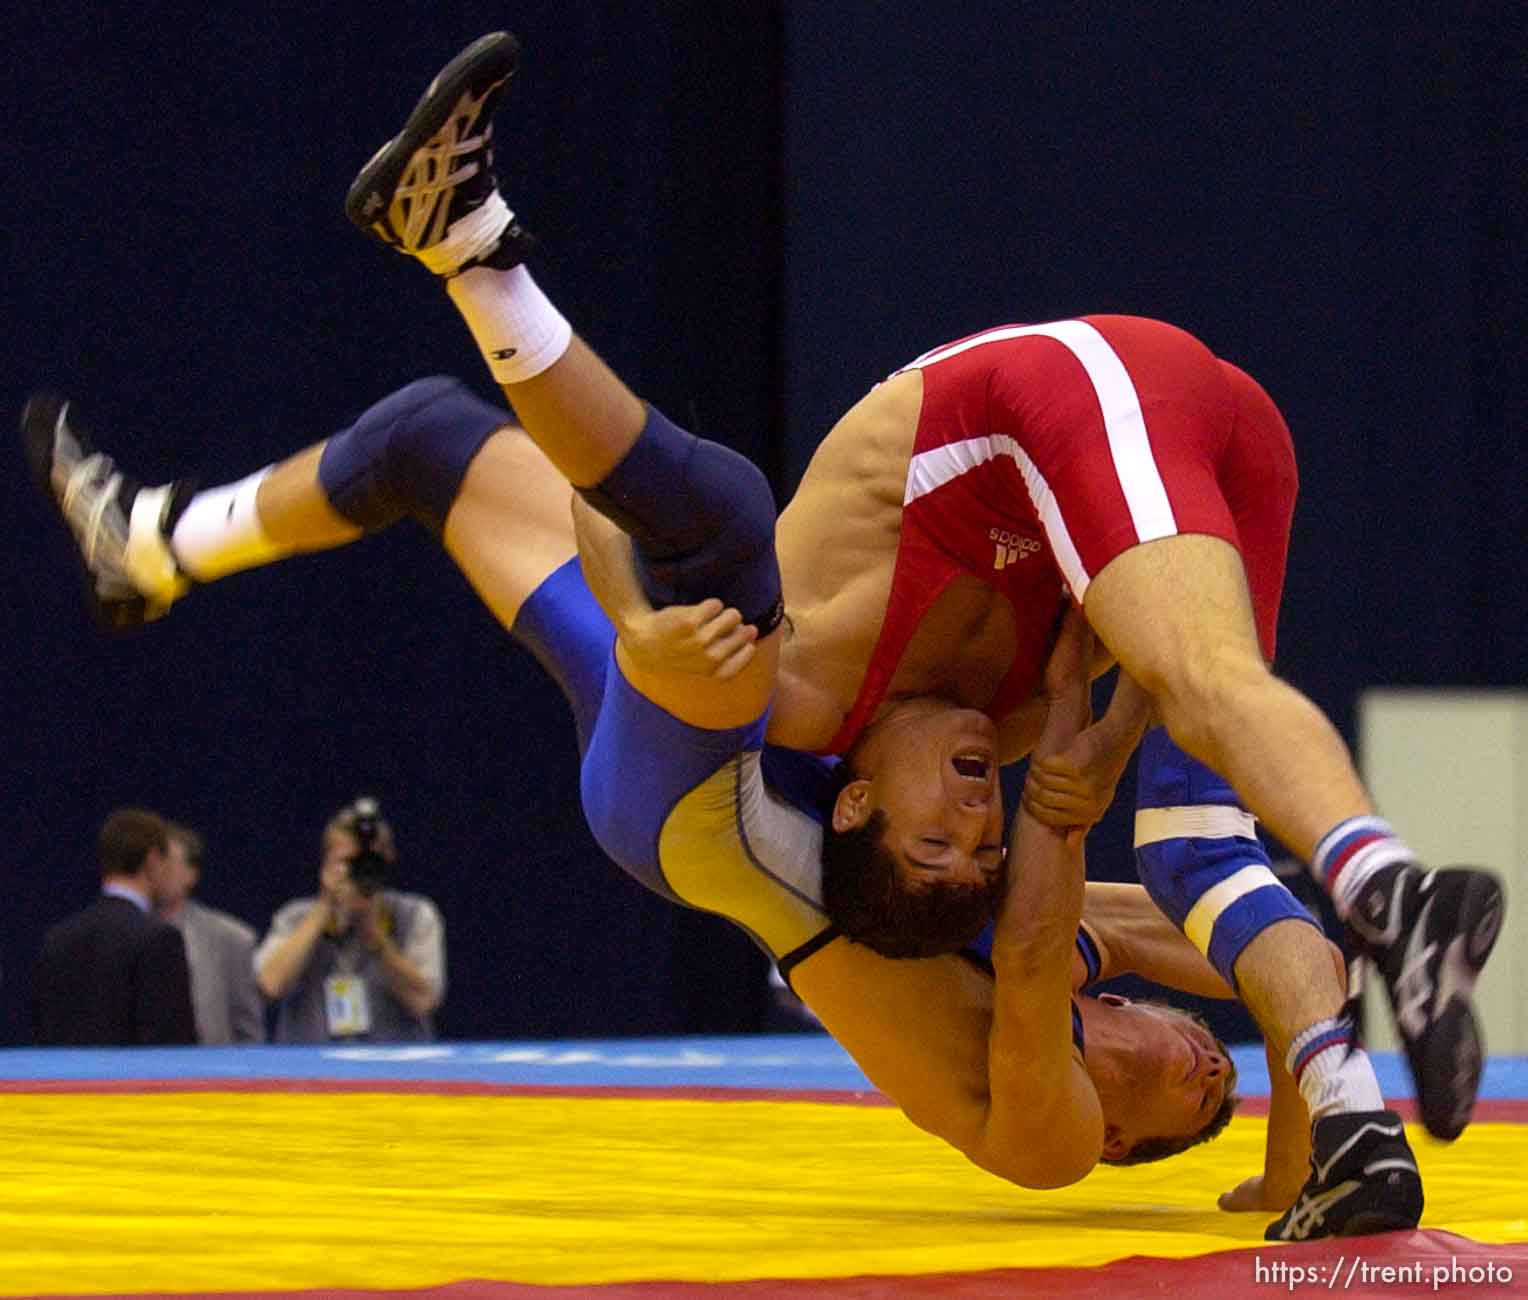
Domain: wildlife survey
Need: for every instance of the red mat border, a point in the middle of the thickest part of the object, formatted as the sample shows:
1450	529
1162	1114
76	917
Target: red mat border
1201	1277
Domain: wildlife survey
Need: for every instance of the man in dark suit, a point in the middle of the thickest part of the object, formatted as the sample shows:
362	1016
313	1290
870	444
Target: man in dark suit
115	974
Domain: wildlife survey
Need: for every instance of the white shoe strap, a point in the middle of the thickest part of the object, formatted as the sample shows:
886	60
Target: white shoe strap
468	237
147	559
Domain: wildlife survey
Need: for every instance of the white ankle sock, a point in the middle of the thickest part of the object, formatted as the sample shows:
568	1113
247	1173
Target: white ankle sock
516	327
1334	1075
220	531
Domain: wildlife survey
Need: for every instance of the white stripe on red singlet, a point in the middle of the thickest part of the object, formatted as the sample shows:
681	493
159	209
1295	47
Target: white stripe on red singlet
1044	501
1145	495
937	466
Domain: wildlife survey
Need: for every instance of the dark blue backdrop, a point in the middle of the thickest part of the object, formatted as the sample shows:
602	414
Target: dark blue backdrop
754	210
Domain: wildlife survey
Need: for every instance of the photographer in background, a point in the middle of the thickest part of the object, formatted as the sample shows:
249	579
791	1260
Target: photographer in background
362	962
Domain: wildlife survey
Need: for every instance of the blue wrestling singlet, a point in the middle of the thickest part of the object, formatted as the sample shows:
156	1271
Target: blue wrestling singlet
711	819
715	820
685	810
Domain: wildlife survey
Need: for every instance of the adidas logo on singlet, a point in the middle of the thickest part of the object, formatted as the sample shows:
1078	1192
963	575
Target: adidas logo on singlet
1010	547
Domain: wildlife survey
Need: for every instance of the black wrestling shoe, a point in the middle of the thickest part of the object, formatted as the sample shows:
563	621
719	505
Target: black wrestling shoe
1428	933
1363	1178
119	528
430	191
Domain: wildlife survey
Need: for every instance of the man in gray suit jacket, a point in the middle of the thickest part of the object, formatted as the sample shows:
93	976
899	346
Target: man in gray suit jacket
220	948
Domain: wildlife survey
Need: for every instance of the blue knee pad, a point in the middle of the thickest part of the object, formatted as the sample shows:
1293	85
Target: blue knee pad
1199	857
408	454
702	518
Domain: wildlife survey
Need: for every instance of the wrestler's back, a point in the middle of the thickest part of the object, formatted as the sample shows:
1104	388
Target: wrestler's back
837	543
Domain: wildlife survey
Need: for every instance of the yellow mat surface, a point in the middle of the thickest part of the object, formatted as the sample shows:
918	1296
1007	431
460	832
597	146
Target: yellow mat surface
234	1191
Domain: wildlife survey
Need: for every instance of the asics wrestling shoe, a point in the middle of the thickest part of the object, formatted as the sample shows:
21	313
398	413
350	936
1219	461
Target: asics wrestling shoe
1428	934
120	529
430	191
1363	1178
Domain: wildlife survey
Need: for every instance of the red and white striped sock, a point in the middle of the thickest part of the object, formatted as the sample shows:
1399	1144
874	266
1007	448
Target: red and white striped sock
1351	852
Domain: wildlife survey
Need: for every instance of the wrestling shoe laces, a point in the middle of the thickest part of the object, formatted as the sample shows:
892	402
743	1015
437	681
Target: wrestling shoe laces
119	528
1363	1178
430	192
1428	934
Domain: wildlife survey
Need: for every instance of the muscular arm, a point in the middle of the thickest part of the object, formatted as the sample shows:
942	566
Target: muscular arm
1044	1123
1077	783
922	1032
1134	938
918	1028
1126	719
987	1066
1018	733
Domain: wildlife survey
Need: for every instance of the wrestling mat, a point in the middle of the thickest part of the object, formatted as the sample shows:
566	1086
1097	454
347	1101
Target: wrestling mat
686	1168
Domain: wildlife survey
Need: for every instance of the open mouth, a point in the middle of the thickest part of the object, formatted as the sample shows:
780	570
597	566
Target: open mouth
968	765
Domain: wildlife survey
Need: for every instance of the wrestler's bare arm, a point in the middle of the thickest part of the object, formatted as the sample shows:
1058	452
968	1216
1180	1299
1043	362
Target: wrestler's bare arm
1286	1152
1044	1125
922	1032
1115	735
1018	732
1078	783
987	1066
1135	938
918	1028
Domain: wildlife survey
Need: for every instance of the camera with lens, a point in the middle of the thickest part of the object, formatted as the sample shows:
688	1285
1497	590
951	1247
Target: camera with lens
371	870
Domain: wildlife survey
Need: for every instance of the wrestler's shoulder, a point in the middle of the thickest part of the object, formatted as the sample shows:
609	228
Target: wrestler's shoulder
873	438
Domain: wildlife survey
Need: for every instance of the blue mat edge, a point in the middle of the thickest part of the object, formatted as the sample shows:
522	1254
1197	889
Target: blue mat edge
806	1062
